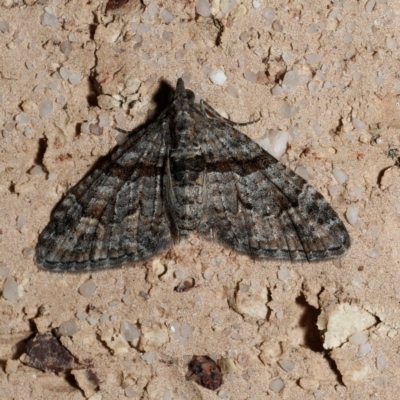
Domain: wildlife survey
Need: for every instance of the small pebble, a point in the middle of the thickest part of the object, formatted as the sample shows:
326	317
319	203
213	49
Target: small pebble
302	171
186	77
167	36
10	289
268	13
49	19
28	252
203	8
121	138
129	331
130	393
277	90
75	78
175	330
381	362
114	303
347	38
276	385
358	338
22	118
339	175
36	170
27	131
68	328
87	288
105	318
293	132
4	26
180	54
21	221
218	77
66	47
313	58
277	26
166	16
352	214
45	108
65	73
81	316
186	330
358	124
335	190
3	270
180	274
250	76
287	365
365	348
149	357
92	320
95	129
283	273
286	110
373	252
232	91
291	80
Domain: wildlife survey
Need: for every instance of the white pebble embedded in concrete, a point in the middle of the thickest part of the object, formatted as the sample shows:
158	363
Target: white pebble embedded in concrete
45	108
358	124
276	385
358	338
10	289
22	118
287	365
87	288
129	331
68	328
218	77
291	80
49	19
352	214
21	221
36	170
203	8
75	78
166	16
268	13
313	58
274	141
250	76
286	110
339	175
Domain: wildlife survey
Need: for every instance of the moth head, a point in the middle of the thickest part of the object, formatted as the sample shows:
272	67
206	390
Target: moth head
182	93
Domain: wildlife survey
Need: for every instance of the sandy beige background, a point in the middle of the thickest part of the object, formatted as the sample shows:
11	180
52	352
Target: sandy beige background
335	322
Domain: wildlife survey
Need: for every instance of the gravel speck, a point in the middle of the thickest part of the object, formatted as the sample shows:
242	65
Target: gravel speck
10	289
218	77
166	16
36	170
358	338
22	118
68	328
49	19
45	108
129	331
276	385
287	365
203	8
66	47
87	288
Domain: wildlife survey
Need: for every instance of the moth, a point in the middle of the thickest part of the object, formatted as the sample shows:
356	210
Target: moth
189	172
